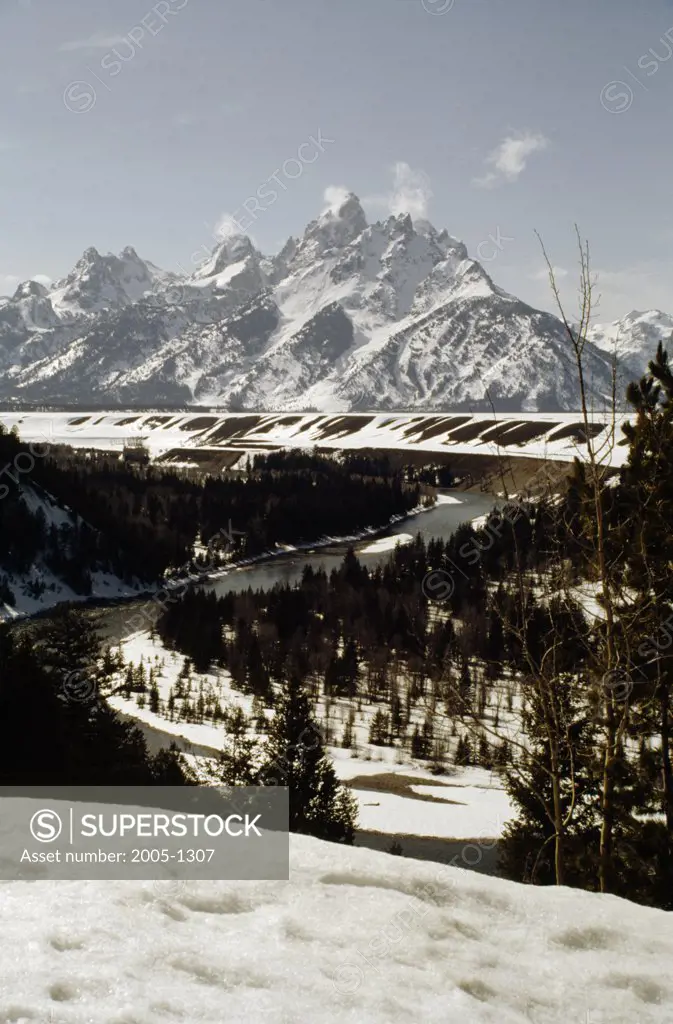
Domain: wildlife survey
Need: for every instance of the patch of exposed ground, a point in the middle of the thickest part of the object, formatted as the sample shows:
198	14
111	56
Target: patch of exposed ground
401	785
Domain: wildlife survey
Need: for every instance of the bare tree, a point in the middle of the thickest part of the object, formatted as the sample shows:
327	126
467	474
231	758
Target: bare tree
609	656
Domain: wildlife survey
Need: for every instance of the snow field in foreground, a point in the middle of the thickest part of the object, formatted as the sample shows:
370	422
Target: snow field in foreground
355	937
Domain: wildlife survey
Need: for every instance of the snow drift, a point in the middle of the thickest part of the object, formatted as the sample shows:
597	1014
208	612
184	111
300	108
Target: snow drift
355	937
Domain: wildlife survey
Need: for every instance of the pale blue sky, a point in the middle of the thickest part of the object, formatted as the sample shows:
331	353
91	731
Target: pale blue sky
488	114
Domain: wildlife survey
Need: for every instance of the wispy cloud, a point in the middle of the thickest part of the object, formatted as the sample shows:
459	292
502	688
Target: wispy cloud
226	227
411	192
335	196
97	41
508	160
229	226
9	283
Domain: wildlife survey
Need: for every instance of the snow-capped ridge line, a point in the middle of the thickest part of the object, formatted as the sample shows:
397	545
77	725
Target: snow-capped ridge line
348	315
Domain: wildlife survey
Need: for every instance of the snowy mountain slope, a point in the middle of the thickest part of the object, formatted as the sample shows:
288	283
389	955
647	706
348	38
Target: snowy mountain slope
39	587
106	282
391	315
355	937
634	338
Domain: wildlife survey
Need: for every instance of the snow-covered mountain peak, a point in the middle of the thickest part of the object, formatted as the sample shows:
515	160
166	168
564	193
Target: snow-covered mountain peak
348	212
400	224
231	250
336	228
235	272
452	245
388	315
30	289
421	226
424	227
100	282
30	310
89	256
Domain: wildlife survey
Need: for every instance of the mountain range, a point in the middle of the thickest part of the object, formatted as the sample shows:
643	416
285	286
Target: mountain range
389	315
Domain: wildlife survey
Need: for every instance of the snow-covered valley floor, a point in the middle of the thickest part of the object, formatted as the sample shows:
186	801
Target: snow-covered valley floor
355	936
549	436
396	794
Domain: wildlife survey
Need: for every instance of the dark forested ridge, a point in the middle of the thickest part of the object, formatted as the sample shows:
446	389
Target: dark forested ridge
56	727
139	523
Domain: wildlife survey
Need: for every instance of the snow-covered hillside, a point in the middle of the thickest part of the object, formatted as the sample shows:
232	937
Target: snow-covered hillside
397	795
38	587
634	338
355	937
390	315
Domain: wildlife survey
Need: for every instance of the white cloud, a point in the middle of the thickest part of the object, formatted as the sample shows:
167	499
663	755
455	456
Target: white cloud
411	192
509	159
97	41
335	196
9	283
227	227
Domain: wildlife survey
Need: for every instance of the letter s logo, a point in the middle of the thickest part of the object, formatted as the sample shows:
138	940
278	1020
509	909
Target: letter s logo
46	826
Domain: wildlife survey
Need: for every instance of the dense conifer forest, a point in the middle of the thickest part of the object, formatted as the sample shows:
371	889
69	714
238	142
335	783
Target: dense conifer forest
56	727
139	523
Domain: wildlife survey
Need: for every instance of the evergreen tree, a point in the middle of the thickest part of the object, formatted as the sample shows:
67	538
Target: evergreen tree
295	757
646	529
168	768
349	731
155	700
464	751
379	730
543	758
257	677
237	759
72	741
70	649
